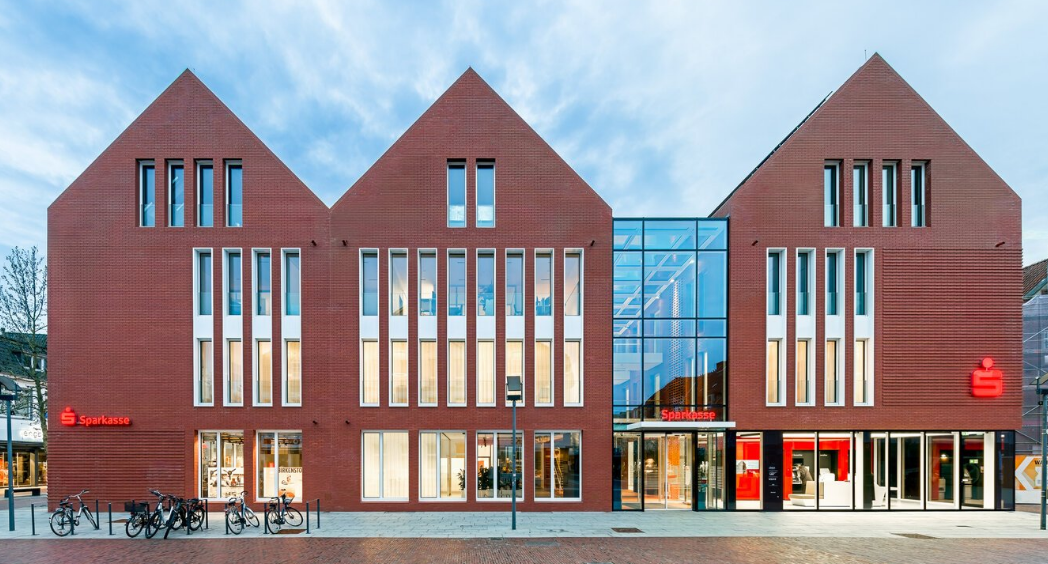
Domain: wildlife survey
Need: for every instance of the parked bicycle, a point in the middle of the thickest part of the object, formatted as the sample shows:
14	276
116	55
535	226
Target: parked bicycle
239	515
139	517
281	513
63	520
158	517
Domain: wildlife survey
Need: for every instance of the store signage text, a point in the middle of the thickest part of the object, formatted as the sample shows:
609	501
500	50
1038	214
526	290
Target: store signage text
70	419
669	415
987	381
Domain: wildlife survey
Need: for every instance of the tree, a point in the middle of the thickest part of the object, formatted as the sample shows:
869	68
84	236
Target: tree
23	315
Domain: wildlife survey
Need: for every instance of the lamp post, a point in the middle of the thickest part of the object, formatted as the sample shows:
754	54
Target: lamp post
514	393
8	394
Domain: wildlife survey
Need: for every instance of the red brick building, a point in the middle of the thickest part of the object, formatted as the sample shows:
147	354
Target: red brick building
260	341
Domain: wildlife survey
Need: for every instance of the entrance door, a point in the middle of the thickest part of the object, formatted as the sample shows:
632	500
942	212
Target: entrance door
668	462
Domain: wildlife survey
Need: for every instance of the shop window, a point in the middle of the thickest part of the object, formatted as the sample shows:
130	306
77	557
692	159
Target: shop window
234	372
748	464
835	466
292	284
977	471
280	464
146	194
457	373
485	373
205	372
234	194
485	283
369	373
942	465
456	194
558	465
398	373
427	373
543	284
572	373
263	372
221	464
860	179
543	373
442	465
485	194
427	284
515	365
293	373
798	452
263	285
830	178
889	188
234	285
385	466
456	284
514	284
398	283
176	194
203	297
627	472
494	469
369	283
205	194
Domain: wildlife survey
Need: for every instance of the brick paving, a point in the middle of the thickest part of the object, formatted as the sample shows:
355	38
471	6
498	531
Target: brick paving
766	550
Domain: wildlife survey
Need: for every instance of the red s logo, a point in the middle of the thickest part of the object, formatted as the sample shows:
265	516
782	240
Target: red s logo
68	417
987	382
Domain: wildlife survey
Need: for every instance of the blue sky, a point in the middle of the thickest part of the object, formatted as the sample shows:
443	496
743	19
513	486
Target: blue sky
663	107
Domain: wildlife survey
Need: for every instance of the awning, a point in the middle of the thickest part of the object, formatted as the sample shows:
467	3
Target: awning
680	425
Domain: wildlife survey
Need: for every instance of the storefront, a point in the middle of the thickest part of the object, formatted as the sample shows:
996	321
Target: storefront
670	468
30	458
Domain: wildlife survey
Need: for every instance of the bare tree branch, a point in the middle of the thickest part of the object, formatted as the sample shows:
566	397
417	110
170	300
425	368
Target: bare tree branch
23	316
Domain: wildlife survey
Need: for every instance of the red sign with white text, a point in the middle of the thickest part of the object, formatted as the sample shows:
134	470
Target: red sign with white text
69	419
668	415
987	381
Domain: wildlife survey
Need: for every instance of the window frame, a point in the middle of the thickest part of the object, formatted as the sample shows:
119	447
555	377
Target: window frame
840	376
227	373
406	373
256	370
552	371
780	266
221	467
464	255
493	255
836	301
465	450
465	192
780	390
582	372
428	253
171	166
517	254
806	279
534	489
862	190
582	282
382	469
285	381
227	281
363	373
548	254
256	255
890	210
143	207
465	372
922	219
506	374
276	465
198	254
363	254
494	373
399	254
809	376
494	191
286	254
867	373
835	190
436	373
231	164
201	165
521	482
197	372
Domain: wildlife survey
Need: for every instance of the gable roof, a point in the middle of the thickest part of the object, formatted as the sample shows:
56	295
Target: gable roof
1035	278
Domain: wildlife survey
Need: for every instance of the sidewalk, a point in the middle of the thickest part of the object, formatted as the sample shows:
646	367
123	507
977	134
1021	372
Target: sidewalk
952	524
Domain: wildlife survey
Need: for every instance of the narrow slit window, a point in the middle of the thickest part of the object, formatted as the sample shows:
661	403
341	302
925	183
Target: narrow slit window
206	196
485	194
456	194
234	195
147	194
176	195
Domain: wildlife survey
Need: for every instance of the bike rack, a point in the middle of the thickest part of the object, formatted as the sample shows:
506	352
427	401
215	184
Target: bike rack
266	531
207	509
97	515
110	504
307	517
32	516
318	513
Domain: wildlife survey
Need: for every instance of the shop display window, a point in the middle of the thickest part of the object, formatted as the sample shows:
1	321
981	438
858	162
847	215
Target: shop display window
558	465
748	471
442	465
385	466
221	464
803	486
626	485
494	467
279	464
835	471
942	470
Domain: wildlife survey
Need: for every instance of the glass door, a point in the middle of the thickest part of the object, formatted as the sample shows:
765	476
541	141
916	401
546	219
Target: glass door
667	467
654	472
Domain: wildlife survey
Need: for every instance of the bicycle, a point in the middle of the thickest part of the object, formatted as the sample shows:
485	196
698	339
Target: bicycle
281	513
139	517
63	520
156	519
239	515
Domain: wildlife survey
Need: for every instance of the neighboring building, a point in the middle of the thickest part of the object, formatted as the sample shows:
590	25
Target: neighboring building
1035	354
18	362
229	332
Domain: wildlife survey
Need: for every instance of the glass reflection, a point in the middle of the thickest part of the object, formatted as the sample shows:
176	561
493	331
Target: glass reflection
669	234
669	284
669	371
626	367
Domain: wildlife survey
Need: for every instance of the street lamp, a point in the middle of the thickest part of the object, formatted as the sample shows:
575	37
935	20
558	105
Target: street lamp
514	393
8	394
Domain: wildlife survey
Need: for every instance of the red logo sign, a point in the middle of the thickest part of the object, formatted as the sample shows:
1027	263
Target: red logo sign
668	415
69	419
987	381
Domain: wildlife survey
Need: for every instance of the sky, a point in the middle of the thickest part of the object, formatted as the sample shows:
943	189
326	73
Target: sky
663	107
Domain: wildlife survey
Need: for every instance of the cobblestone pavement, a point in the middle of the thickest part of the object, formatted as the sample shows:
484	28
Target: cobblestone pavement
767	550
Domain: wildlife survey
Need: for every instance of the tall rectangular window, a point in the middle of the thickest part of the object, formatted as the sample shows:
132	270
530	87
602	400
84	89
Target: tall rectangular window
427	284
221	464
543	373
292	284
573	284
833	383
205	195
385	465
279	464
862	376
832	194
485	373
888	188
918	196
456	373
494	466
369	373
456	284
205	372
204	283
805	386
398	283
558	465
263	372
456	194
833	298
485	194
427	373
176	195
398	373
234	372
572	373
775	283
369	283
292	373
803	283
485	283
147	194
234	284
773	381
861	278
442	465
263	285
514	284
860	178
543	284
234	195
515	364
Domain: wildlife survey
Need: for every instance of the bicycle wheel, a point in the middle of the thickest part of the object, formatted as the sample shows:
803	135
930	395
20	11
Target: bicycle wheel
153	523
196	518
234	522
61	523
90	517
274	521
175	522
251	518
293	517
135	524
